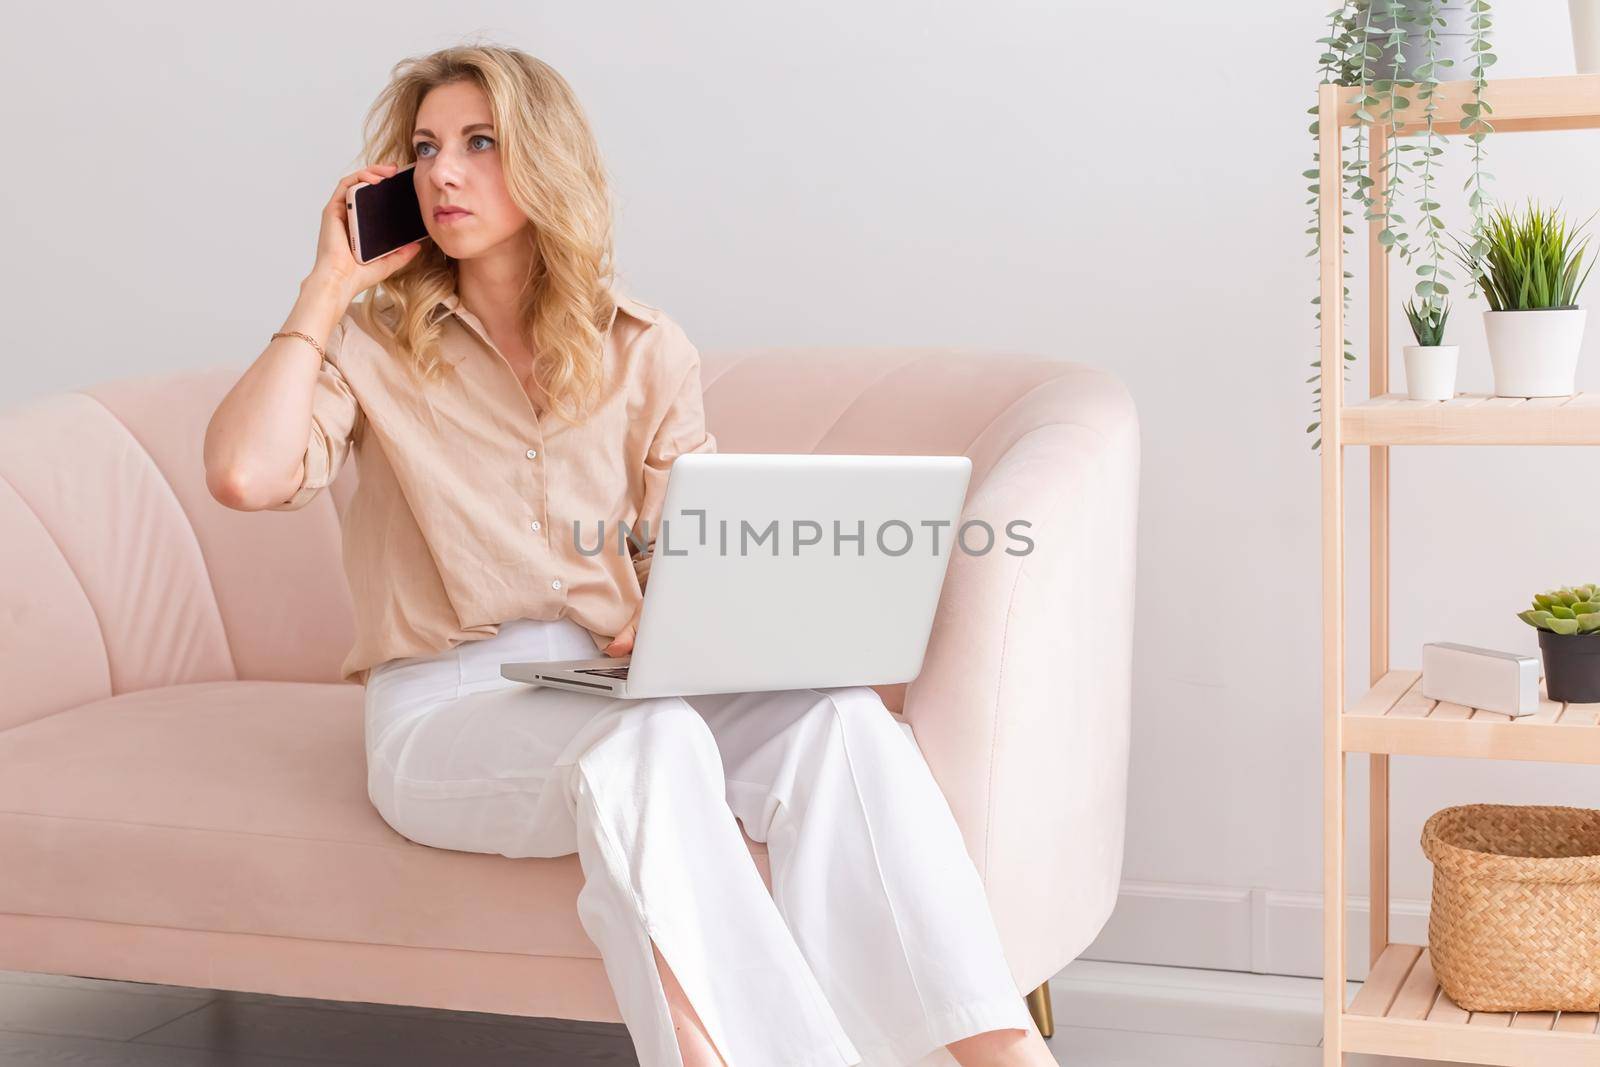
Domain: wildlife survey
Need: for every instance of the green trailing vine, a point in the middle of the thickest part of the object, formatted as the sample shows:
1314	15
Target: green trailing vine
1341	64
1476	125
1432	276
1394	164
1360	32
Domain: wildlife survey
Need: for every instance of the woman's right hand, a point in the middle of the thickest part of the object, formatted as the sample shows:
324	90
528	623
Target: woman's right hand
336	263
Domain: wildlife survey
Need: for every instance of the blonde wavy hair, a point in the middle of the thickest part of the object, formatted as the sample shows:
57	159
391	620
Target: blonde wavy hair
554	173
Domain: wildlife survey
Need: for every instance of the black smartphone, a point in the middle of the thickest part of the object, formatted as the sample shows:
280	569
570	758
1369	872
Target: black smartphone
384	216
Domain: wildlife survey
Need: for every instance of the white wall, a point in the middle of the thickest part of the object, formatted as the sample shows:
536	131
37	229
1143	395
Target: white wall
1101	181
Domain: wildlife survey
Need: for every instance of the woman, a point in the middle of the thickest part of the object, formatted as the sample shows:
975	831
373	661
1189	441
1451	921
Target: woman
499	391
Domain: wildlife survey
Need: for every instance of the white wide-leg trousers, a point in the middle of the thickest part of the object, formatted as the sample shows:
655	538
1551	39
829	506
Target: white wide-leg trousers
876	945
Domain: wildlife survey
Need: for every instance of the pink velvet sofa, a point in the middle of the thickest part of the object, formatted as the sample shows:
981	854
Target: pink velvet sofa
182	783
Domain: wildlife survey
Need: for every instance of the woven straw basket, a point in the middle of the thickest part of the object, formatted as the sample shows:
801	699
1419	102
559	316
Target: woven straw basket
1515	924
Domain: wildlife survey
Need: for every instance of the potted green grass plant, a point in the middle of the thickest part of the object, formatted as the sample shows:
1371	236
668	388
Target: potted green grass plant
1528	267
1430	363
1568	621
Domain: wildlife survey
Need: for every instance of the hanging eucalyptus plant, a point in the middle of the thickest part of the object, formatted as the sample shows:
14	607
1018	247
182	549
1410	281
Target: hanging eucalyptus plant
1393	53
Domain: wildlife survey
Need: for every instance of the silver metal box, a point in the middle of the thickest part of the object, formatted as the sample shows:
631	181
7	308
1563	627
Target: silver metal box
1484	678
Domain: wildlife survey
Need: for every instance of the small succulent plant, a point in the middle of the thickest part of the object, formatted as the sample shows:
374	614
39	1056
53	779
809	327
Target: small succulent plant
1565	611
1427	321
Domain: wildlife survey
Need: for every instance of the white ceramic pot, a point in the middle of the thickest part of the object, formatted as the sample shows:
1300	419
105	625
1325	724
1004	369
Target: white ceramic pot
1431	371
1535	353
1585	15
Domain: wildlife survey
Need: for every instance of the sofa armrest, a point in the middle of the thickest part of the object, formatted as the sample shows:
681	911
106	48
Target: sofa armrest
1022	708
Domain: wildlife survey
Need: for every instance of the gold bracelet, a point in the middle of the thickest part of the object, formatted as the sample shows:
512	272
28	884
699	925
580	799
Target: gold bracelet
306	337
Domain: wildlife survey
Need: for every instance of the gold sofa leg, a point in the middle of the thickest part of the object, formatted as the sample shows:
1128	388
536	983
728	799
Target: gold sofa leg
1039	1008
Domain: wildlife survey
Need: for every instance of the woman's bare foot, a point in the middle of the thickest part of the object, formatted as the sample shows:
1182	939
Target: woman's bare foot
693	1041
1004	1048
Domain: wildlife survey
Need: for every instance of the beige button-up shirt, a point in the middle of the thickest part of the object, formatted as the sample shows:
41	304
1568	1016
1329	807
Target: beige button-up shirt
464	513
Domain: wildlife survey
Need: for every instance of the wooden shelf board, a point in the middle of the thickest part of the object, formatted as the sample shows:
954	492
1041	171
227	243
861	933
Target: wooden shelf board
1519	105
1394	718
1401	1011
1473	419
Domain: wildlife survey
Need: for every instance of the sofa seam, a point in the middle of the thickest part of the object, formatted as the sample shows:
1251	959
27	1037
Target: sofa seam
1005	639
855	401
1015	402
295	937
94	610
202	829
994	734
705	386
194	535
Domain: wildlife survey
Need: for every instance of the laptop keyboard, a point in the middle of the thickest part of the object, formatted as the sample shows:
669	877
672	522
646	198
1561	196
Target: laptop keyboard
604	672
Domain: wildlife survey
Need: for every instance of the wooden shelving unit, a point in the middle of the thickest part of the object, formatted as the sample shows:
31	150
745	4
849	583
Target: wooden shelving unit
1400	1010
1395	719
1473	419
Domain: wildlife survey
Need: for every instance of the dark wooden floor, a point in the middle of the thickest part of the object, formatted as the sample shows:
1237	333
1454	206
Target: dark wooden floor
53	1020
1107	1015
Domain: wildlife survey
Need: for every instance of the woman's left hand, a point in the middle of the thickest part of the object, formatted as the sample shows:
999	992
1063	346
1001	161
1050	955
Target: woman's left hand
622	644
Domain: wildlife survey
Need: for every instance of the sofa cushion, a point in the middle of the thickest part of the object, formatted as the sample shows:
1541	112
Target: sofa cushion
242	806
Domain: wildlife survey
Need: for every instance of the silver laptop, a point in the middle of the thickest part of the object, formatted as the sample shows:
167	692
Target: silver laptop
779	571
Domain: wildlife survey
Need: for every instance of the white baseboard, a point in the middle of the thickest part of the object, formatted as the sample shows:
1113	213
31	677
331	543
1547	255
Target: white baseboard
1195	1003
1223	928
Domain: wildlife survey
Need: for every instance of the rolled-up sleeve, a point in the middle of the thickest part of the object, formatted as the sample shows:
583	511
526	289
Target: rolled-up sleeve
682	431
336	422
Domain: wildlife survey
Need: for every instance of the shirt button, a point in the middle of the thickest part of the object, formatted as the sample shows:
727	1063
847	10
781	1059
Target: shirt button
533	453
535	525
555	583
